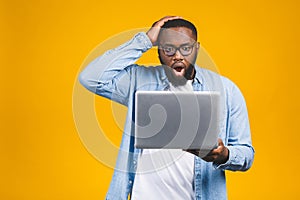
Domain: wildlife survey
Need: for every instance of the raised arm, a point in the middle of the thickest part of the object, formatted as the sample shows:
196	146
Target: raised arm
102	76
110	74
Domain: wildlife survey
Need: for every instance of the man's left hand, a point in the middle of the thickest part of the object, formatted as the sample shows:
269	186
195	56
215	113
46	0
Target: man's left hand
218	155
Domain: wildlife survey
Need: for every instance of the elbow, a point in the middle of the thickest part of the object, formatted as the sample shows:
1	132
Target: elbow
86	82
83	79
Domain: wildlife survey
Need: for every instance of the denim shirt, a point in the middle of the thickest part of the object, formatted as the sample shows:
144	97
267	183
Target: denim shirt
115	75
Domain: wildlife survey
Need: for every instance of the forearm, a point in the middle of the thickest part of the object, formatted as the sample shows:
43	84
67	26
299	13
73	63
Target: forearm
106	68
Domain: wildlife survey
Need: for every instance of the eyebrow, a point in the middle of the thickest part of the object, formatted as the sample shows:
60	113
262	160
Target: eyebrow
168	44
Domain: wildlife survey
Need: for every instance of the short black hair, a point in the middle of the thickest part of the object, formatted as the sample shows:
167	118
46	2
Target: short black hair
180	23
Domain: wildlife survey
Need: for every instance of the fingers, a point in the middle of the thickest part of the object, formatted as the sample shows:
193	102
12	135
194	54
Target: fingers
219	155
211	156
193	151
163	20
220	142
155	29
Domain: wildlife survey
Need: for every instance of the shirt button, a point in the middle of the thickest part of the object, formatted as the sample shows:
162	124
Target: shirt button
130	182
134	162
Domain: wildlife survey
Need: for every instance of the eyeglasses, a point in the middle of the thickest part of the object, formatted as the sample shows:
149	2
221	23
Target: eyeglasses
184	50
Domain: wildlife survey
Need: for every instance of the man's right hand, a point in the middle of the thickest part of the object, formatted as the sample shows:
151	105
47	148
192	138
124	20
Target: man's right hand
154	30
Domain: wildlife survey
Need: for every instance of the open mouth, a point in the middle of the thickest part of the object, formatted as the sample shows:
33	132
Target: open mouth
178	69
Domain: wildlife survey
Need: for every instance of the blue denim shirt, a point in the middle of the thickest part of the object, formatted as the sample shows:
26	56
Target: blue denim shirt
115	76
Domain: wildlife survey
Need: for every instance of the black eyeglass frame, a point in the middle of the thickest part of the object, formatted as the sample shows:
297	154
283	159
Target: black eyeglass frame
178	49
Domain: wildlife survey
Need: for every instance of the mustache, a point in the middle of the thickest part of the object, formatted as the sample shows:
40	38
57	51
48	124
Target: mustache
178	64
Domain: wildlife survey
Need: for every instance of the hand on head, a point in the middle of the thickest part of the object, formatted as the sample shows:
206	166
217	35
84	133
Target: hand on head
155	29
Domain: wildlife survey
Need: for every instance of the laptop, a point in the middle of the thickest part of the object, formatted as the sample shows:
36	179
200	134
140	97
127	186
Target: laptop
177	120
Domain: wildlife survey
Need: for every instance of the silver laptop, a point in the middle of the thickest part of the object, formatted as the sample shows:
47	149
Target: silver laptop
177	120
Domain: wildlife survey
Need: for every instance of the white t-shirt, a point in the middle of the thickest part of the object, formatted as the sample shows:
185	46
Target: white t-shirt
165	173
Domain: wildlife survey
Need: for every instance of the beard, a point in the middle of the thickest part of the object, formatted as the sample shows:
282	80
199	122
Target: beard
189	73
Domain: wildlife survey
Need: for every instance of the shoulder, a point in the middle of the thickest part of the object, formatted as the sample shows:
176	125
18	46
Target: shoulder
210	77
214	81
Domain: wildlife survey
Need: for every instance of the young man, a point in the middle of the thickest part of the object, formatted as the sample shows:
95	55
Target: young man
170	174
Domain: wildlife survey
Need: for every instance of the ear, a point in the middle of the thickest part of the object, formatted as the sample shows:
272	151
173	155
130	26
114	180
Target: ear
198	47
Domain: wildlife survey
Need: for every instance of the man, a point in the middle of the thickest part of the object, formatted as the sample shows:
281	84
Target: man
176	174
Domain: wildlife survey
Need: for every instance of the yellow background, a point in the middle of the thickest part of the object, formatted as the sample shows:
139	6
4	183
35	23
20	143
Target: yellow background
43	44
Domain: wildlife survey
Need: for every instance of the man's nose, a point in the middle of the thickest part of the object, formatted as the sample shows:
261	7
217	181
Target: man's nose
177	55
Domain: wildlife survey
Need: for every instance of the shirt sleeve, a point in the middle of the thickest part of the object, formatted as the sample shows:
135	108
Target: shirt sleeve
109	74
239	144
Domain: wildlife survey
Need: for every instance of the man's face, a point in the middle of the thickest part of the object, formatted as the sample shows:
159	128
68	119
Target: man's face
178	50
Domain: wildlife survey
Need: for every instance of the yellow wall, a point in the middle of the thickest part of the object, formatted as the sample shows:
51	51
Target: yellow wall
44	43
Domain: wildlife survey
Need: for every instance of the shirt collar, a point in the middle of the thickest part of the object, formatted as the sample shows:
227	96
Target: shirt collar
198	76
